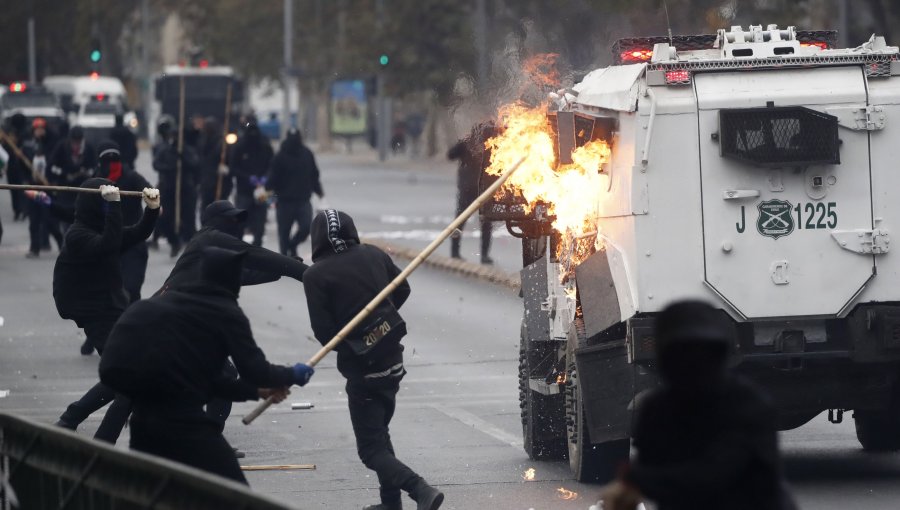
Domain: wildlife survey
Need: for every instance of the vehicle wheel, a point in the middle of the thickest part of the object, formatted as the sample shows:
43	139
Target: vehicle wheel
543	416
878	431
589	462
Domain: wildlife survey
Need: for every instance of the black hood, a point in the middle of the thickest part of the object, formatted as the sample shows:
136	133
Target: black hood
693	343
292	142
108	156
90	208
332	232
222	268
223	216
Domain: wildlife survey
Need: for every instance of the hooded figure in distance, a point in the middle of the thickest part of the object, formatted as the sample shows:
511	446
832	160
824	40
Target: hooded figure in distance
249	164
294	178
707	437
344	278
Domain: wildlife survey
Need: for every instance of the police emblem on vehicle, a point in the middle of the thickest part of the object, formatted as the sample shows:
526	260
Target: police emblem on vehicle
775	218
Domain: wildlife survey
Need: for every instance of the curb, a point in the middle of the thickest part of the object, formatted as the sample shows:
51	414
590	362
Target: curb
481	272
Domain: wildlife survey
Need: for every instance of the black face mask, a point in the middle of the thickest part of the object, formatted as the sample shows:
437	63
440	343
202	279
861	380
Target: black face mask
694	368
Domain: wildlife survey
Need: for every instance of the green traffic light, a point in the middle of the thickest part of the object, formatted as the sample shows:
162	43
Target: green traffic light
383	60
95	56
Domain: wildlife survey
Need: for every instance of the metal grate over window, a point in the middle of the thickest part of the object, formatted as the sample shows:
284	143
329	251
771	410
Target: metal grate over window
783	136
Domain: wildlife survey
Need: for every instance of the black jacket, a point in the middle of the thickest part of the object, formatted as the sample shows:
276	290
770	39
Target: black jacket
708	451
87	280
294	174
260	265
66	169
170	349
250	161
344	277
165	162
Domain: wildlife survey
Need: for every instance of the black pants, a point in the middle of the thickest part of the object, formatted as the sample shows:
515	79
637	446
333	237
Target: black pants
289	212
166	225
40	223
97	330
486	230
134	267
372	404
184	435
256	216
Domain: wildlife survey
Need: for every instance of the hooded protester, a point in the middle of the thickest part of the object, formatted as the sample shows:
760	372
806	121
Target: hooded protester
249	163
165	162
470	153
294	177
344	278
211	167
125	139
706	436
88	288
134	260
166	353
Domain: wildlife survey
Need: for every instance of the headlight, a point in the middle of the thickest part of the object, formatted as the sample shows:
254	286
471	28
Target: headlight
231	138
133	123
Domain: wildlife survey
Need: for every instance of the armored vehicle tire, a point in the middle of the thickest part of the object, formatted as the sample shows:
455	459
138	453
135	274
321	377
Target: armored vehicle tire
543	425
589	462
878	431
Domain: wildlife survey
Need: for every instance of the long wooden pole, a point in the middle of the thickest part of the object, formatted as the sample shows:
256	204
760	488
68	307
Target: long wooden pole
180	153
72	189
369	308
284	467
220	177
4	137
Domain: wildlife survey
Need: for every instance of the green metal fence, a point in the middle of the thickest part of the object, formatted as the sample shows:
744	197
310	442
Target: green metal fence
44	467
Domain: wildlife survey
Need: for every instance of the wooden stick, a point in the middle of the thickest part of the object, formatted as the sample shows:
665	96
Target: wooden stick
72	189
4	137
369	308
285	467
180	154
219	176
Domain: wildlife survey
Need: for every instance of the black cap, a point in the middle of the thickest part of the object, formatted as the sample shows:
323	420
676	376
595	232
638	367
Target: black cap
222	208
107	150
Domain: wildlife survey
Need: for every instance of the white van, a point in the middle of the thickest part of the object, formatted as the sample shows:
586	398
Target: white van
92	101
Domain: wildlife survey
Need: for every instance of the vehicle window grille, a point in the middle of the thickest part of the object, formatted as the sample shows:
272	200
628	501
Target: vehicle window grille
774	137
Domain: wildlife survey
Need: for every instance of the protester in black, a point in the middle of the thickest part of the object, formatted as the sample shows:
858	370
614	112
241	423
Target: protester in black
705	439
344	278
212	169
470	153
165	162
16	170
294	177
126	140
87	285
166	353
250	163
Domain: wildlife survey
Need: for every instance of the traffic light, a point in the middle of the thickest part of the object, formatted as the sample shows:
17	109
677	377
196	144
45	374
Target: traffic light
383	59
96	54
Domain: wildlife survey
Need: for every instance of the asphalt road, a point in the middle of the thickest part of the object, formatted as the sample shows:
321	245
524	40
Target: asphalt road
457	421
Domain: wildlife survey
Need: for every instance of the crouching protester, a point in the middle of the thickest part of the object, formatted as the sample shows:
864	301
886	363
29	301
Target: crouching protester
166	353
706	438
344	278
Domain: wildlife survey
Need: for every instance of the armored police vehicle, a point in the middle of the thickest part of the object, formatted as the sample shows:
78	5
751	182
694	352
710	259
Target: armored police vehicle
754	169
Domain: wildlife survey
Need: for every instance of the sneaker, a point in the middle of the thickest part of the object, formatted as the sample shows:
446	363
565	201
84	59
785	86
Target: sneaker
426	496
32	255
238	454
487	261
86	348
61	423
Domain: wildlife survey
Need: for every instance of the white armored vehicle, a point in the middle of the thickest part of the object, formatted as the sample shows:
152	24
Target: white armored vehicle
754	169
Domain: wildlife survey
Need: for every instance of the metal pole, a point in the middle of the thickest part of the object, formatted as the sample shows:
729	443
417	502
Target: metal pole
288	64
408	270
32	57
145	65
382	136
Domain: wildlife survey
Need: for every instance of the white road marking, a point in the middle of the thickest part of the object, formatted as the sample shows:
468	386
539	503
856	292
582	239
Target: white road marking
481	425
4	393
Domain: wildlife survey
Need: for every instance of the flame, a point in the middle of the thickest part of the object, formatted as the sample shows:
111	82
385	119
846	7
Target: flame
528	475
569	191
541	70
566	494
561	378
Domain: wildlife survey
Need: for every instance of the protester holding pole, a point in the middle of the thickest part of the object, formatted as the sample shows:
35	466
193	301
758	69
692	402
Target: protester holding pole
167	160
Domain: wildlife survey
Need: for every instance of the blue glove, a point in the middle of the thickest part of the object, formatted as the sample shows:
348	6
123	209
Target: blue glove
302	374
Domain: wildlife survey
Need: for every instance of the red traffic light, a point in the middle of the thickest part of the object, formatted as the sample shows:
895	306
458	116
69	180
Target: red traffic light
18	86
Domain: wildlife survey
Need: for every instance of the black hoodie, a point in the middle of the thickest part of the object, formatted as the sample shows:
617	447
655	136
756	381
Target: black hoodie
224	231
87	281
345	276
170	349
294	174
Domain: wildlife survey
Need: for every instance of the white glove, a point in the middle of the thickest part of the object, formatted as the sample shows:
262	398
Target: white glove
260	194
151	198
110	193
223	170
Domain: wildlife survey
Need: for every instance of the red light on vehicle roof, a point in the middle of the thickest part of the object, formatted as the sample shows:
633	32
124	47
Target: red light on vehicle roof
17	87
641	55
100	97
204	64
818	44
677	77
95	75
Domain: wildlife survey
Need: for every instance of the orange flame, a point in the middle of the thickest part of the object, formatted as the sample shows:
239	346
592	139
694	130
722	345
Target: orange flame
569	191
566	494
528	476
541	70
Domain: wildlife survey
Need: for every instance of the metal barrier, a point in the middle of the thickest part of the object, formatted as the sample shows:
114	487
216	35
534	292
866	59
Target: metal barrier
44	467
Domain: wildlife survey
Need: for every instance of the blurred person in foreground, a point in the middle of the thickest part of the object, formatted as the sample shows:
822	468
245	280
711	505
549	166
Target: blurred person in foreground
470	153
294	178
344	278
706	438
88	288
166	354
